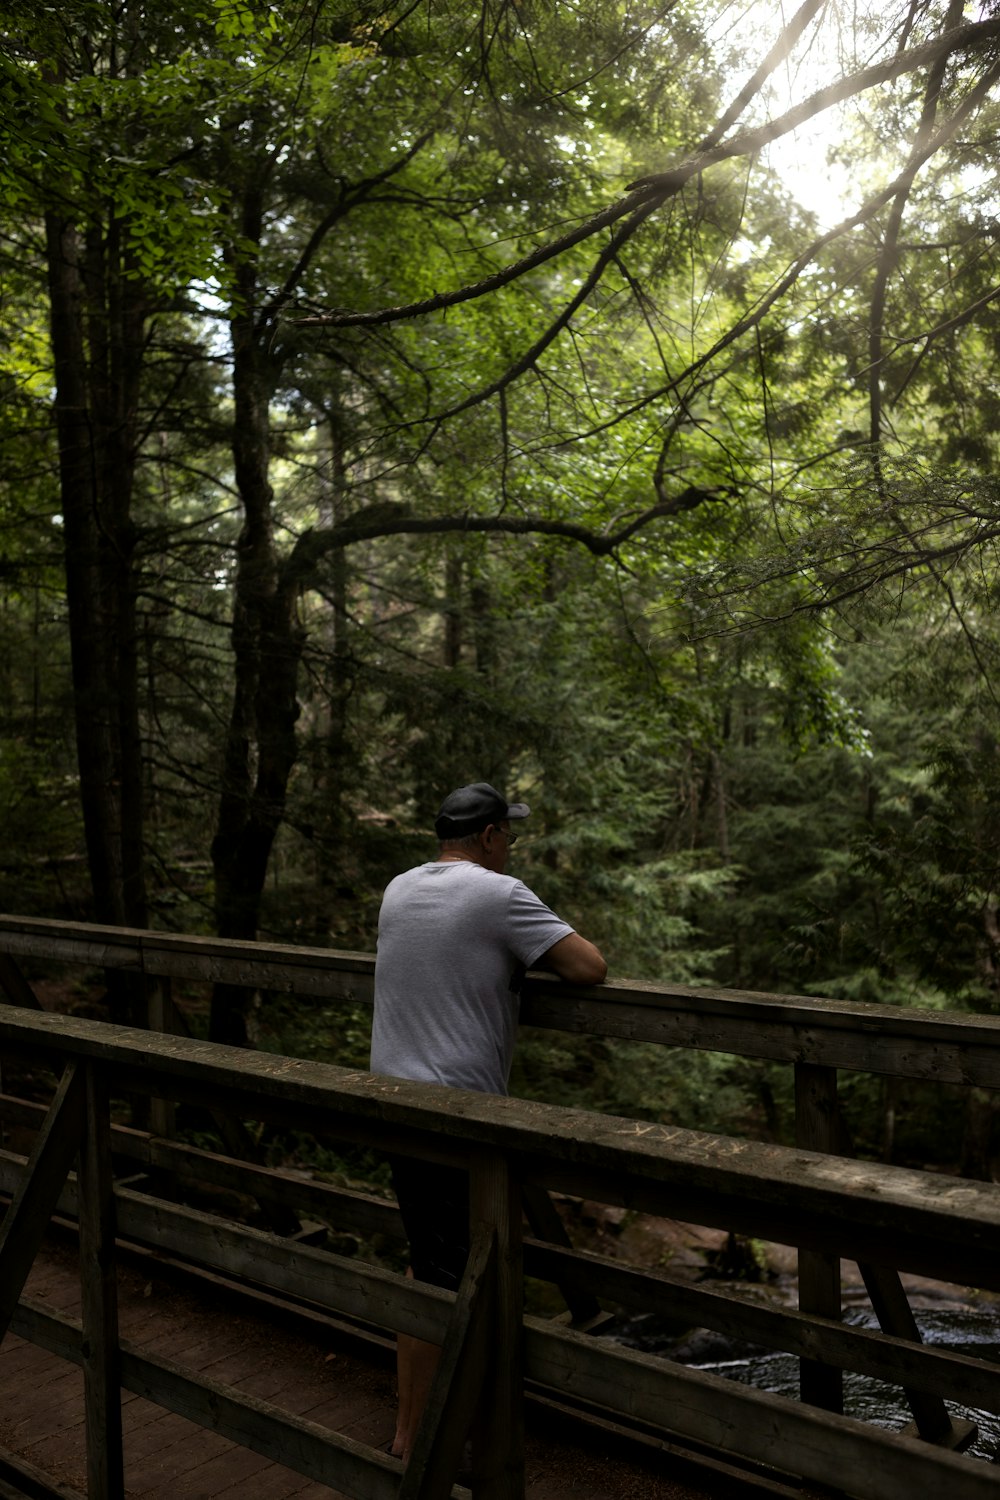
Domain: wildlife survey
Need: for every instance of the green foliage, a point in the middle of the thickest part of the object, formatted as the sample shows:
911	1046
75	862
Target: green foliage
759	734
699	1090
339	1033
42	868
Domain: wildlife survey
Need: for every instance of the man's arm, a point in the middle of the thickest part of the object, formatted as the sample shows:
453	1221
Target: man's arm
575	959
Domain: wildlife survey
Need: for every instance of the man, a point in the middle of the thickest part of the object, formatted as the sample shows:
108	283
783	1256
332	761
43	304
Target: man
454	940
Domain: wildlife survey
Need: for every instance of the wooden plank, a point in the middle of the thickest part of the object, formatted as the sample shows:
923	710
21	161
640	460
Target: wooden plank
498	1435
971	1382
337	1283
543	1216
908	1043
234	1466
333	1282
297	1443
99	1292
164	1459
458	1380
307	971
928	1223
38	1188
341	1208
955	1376
816	1119
867	1038
20	1478
866	1462
284	1192
892	1308
161	1017
346	1286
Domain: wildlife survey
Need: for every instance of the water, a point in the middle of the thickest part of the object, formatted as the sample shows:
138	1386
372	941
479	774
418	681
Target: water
971	1331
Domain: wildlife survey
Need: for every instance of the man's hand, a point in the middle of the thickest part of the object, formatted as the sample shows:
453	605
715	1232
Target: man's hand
575	959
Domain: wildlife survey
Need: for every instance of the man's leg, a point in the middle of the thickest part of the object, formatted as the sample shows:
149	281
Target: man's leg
435	1206
416	1365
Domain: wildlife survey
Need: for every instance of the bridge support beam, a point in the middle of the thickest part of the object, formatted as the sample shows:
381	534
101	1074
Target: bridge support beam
479	1384
816	1129
99	1298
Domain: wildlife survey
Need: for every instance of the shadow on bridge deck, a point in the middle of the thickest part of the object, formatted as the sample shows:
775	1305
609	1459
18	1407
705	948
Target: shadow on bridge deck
42	1419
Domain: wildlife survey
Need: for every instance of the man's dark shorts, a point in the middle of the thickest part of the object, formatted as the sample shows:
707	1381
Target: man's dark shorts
434	1203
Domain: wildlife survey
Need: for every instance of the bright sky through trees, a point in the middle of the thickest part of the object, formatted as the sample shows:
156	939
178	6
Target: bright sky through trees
802	158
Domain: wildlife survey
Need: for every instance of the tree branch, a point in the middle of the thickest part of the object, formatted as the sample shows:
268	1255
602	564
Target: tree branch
394	519
889	251
654	190
349	199
786	41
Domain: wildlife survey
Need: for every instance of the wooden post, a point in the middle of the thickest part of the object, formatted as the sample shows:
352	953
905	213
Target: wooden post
498	1433
480	1379
459	1380
160	1017
99	1294
817	1129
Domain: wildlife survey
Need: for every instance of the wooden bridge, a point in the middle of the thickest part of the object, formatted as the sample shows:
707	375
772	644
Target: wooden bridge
129	1189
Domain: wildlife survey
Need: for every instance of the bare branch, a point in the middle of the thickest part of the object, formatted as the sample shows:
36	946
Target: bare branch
786	41
394	519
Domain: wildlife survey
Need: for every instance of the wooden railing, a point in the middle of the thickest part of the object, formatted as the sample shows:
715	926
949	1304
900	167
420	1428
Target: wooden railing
829	1205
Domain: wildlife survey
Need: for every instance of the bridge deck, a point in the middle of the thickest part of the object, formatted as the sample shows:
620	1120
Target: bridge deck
41	1403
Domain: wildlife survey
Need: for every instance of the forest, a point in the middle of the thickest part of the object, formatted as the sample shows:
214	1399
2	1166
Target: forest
599	400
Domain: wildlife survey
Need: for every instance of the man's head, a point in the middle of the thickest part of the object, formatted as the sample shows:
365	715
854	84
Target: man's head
474	821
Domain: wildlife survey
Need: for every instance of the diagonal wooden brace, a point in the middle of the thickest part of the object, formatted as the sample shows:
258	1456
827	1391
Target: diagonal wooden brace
459	1379
34	1202
821	1126
932	1420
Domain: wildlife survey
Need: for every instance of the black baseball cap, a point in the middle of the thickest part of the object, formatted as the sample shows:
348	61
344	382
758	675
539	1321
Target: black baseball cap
473	807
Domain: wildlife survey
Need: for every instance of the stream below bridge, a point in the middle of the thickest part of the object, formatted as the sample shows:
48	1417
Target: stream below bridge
972	1330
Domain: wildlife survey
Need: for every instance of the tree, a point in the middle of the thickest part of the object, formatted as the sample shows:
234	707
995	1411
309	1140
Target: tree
88	166
435	400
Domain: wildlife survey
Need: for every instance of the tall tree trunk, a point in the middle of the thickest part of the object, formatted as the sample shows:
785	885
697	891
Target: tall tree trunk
454	622
96	321
334	817
267	641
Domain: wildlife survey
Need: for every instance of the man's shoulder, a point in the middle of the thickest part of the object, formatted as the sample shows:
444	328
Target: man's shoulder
413	876
462	877
457	882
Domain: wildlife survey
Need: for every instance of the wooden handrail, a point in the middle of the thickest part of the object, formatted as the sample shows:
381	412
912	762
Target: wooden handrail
912	1220
938	1225
903	1042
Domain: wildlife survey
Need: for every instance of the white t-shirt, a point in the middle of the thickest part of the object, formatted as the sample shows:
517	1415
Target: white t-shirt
454	940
